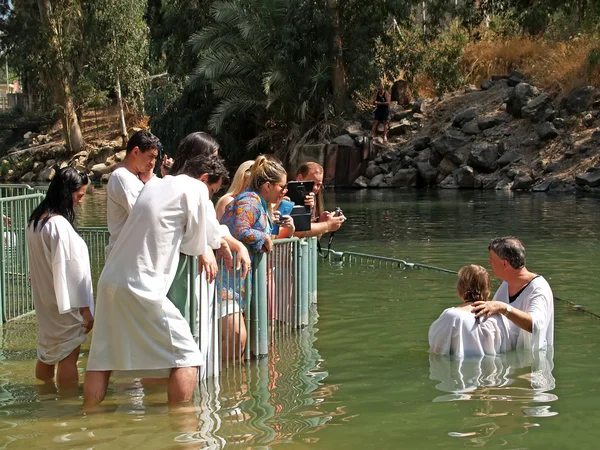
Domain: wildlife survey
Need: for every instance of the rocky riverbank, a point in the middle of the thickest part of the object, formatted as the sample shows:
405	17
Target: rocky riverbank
505	135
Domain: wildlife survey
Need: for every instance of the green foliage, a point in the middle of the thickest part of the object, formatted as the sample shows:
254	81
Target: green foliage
4	167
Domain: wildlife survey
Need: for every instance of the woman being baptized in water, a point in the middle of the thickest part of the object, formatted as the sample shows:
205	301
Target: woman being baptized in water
458	333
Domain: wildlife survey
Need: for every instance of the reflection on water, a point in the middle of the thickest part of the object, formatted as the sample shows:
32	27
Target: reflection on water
263	403
503	387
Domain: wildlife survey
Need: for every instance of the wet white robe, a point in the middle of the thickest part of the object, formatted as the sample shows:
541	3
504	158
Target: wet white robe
138	330
536	299
61	281
456	333
122	191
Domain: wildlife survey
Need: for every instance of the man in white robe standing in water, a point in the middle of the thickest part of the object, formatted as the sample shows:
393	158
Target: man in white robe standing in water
127	181
138	330
525	298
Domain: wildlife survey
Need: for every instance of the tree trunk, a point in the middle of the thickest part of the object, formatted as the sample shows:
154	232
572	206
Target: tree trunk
121	112
339	73
59	81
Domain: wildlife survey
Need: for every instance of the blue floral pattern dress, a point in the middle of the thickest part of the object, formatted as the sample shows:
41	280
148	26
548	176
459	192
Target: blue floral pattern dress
248	221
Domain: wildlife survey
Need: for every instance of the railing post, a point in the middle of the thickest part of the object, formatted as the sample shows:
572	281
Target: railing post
2	265
313	269
259	300
304	294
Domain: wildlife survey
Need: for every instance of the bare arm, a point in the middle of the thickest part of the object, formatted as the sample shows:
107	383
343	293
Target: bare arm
520	318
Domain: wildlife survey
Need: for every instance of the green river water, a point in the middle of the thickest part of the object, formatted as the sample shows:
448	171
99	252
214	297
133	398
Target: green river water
360	377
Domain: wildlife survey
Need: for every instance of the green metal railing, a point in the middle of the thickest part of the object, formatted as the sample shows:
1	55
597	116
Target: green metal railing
15	286
15	190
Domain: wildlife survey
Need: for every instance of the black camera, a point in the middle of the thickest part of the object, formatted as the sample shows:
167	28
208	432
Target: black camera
338	212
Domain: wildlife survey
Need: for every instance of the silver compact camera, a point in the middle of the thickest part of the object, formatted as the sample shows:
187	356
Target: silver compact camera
338	212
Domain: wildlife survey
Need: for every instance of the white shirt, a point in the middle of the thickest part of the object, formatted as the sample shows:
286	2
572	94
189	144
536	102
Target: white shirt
137	327
122	192
61	281
536	299
456	333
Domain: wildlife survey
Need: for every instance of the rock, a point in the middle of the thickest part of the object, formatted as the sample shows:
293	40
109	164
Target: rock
38	166
483	157
507	158
418	105
372	171
512	173
485	123
504	184
47	174
407	162
28	136
551	167
486	84
535	109
514	78
591	179
354	129
100	169
522	182
588	120
471	127
550	114
569	153
399	129
401	115
543	185
470	88
559	123
421	143
417	117
427	173
361	182
385	168
465	177
399	92
488	181
404	178
449	143
546	131
344	141
423	156
448	183
519	97
466	116
28	177
447	166
376	181
388	156
580	99
132	131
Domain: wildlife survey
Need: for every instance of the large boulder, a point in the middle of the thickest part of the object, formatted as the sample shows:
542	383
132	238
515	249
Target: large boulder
486	123
399	93
465	177
449	143
507	158
28	177
344	140
372	171
376	181
522	182
519	97
471	127
447	166
100	169
421	143
448	183
38	166
591	178
580	99
423	156
546	131
361	182
427	173
354	129
404	178
465	116
535	109
543	186
399	129
484	157
47	174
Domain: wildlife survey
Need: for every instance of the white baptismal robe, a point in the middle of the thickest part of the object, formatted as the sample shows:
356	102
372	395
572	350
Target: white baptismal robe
536	299
61	282
122	191
137	327
456	333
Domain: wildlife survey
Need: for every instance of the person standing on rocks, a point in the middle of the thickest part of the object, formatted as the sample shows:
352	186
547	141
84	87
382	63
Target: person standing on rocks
382	111
127	181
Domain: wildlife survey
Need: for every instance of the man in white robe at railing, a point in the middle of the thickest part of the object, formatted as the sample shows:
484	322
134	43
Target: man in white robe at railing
139	332
524	297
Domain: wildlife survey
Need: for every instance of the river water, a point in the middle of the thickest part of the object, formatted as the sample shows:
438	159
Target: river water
360	376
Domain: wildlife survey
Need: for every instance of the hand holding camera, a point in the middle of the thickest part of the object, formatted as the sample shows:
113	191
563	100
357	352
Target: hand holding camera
335	220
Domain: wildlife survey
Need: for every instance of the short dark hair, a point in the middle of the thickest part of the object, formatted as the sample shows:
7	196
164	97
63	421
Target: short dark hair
144	140
509	249
194	144
209	164
59	198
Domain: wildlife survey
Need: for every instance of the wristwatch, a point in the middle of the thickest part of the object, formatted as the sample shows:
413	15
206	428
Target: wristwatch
507	310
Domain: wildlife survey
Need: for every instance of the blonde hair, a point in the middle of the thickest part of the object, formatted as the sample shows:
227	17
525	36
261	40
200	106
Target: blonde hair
241	179
473	283
265	171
